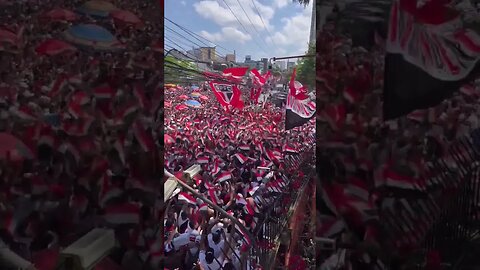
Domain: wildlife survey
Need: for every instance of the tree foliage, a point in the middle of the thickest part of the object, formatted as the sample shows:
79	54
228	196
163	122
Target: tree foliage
306	69
180	71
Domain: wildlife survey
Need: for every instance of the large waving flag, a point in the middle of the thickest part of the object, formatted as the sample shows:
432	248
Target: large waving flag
235	73
258	82
212	76
227	95
300	109
431	52
257	77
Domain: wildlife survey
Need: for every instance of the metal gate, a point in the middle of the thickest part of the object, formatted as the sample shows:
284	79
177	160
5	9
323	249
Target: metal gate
444	220
458	223
439	222
274	204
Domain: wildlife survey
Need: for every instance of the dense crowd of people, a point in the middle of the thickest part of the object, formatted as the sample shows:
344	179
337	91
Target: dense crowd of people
80	130
243	156
377	197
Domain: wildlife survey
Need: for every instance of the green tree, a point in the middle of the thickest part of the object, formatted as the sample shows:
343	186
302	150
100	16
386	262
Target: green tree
180	71
306	69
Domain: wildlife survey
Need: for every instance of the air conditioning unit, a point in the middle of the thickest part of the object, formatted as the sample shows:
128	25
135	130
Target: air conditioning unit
11	260
192	171
169	188
87	251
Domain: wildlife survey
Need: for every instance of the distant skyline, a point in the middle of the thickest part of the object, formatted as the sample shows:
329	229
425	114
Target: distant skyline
288	25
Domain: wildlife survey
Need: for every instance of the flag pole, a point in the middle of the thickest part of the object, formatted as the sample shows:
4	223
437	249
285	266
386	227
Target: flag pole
213	205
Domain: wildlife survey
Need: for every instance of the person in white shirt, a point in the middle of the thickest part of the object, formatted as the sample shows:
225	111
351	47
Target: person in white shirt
206	258
208	261
216	242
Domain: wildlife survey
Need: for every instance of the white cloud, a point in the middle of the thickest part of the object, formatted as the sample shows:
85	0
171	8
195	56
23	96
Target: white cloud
281	51
280	3
213	37
221	14
290	34
227	34
295	32
233	34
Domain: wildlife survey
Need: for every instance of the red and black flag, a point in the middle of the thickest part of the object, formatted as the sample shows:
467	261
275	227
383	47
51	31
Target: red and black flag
227	95
300	109
431	52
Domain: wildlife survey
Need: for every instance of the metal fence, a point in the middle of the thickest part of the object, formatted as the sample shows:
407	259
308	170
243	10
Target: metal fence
458	222
274	201
272	232
441	217
444	217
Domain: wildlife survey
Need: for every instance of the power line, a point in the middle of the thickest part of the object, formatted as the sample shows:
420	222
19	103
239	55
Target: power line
181	35
184	52
195	35
253	25
233	13
176	66
178	46
196	44
188	58
260	15
179	41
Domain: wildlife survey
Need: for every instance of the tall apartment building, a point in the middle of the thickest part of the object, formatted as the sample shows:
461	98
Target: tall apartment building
291	65
264	64
230	57
282	65
205	54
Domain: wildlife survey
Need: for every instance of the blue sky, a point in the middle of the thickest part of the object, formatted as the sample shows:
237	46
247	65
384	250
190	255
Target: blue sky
288	25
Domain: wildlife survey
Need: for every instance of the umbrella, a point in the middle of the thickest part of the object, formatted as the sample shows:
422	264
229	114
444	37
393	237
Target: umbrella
196	94
125	16
181	107
193	103
167	139
13	148
183	97
60	14
204	97
97	8
54	47
92	35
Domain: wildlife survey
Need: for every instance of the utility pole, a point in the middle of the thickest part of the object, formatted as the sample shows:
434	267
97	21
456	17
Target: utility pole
313	24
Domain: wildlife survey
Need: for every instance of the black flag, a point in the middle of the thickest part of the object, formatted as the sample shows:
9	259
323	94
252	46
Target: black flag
299	108
431	53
